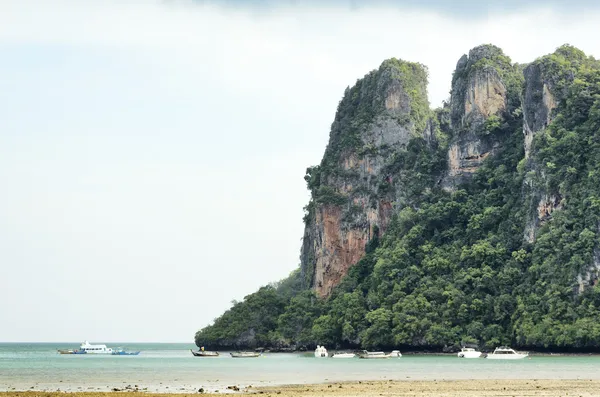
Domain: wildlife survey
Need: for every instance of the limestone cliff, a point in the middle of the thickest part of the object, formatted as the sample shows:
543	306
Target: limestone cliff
538	103
546	84
480	102
353	189
363	178
514	153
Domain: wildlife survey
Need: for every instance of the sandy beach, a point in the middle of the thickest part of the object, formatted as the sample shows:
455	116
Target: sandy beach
462	388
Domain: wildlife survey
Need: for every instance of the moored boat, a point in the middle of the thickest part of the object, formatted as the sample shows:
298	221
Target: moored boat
88	348
123	352
468	352
506	353
204	353
368	354
320	351
343	355
244	354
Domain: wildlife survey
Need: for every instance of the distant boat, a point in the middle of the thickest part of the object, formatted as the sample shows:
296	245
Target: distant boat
506	353
343	355
122	352
245	354
468	352
204	353
320	351
367	354
88	348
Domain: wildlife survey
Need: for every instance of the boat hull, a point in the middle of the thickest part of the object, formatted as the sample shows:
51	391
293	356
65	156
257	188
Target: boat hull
344	355
506	356
245	355
374	355
469	354
205	354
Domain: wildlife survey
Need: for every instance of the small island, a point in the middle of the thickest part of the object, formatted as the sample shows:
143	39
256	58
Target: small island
475	223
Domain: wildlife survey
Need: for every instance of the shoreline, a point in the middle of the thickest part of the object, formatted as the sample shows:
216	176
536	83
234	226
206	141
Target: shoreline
427	388
532	353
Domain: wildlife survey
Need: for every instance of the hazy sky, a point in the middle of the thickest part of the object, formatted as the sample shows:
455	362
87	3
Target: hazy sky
152	153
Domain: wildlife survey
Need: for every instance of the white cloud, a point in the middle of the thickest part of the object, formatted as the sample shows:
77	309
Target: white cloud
323	45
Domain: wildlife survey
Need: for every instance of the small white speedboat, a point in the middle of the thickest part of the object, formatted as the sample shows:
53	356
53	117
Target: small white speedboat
467	352
343	355
367	354
506	353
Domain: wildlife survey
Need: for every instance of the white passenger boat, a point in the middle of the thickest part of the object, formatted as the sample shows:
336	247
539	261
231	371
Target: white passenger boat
506	353
88	348
367	354
468	352
343	355
320	351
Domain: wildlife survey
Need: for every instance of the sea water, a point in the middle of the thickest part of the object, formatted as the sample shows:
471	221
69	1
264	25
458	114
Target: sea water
170	367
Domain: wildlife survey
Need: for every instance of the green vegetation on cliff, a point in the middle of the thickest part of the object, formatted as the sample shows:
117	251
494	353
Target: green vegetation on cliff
453	266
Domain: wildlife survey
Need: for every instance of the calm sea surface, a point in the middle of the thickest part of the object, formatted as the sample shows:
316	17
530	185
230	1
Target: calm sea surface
171	367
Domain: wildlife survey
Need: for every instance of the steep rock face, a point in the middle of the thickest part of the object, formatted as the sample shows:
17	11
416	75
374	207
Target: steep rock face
353	192
538	103
357	187
546	85
479	93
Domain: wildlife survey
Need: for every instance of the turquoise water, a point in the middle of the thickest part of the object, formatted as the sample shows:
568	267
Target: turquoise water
171	367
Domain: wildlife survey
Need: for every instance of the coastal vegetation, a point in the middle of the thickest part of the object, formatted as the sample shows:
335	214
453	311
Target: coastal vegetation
456	266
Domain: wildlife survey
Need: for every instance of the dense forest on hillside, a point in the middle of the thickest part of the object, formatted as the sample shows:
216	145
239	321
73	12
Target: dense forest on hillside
455	266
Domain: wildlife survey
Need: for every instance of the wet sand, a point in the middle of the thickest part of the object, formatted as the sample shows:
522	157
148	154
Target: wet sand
461	388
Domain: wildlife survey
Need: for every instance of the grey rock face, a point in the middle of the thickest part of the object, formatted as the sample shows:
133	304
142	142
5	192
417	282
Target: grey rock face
478	92
538	104
378	113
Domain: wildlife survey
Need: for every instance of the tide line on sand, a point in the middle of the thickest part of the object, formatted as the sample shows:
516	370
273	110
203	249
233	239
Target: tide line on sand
459	388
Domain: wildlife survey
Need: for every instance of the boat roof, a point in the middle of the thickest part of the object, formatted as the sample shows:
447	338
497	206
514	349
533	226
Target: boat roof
88	344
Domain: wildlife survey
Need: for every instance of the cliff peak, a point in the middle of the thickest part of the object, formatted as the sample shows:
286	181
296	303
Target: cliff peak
486	89
352	193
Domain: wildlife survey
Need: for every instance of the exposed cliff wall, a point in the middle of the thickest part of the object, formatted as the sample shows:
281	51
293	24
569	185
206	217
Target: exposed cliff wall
538	102
547	82
361	181
354	190
485	89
